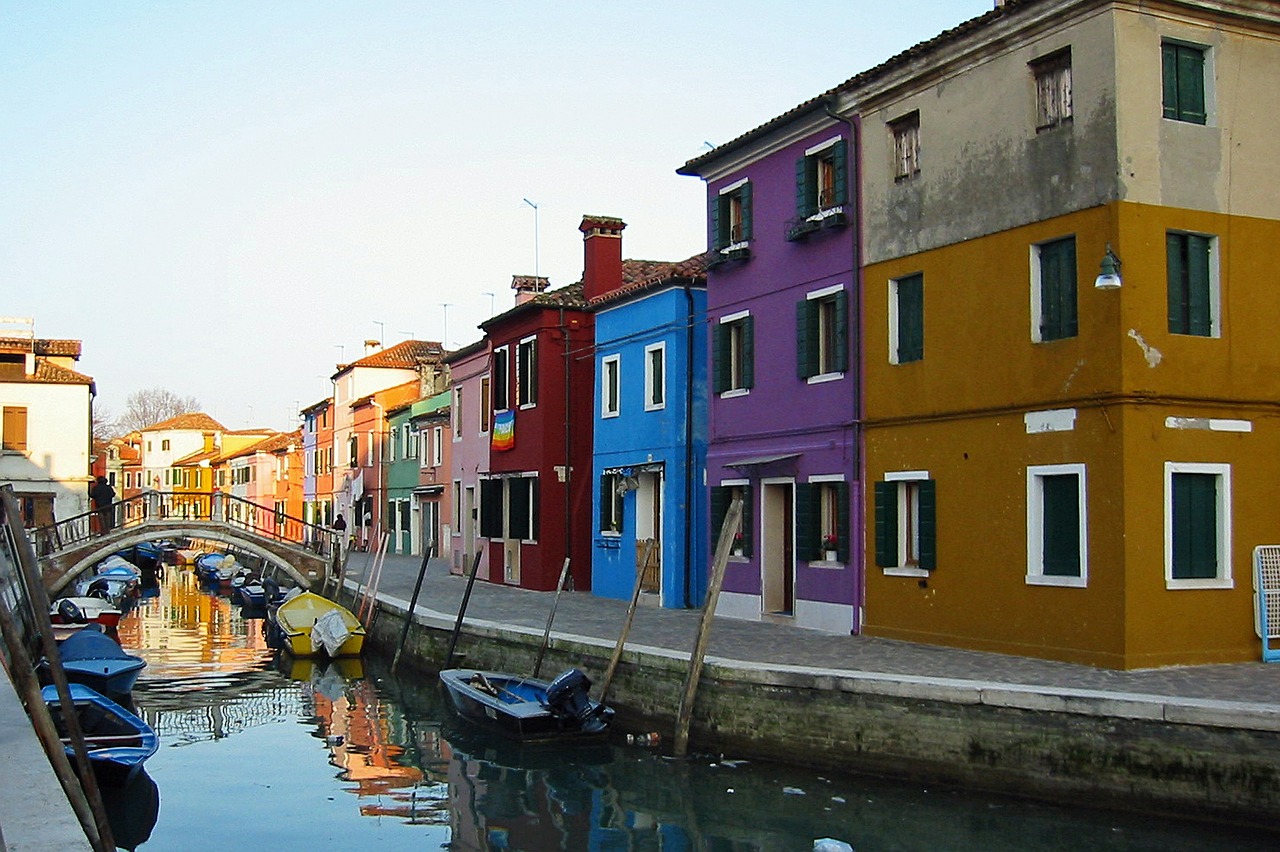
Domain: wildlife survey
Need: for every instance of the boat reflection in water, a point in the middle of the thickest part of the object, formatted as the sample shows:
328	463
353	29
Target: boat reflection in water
132	810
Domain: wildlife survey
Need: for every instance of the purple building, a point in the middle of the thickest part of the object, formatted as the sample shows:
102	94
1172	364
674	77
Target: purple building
782	307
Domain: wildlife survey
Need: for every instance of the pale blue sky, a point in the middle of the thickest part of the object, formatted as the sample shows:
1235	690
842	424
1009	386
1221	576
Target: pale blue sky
225	198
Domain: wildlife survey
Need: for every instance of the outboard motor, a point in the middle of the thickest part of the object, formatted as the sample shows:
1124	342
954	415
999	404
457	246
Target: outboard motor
568	698
70	612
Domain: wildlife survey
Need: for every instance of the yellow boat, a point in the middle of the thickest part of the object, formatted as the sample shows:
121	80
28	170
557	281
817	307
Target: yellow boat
316	626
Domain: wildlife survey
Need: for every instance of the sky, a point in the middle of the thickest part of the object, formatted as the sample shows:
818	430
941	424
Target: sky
226	199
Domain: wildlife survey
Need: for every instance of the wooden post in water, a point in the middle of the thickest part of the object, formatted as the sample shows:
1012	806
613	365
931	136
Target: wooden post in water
626	625
371	590
732	523
546	634
462	610
413	602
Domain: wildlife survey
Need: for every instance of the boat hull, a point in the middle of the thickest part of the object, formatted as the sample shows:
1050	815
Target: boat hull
518	707
295	618
117	741
94	659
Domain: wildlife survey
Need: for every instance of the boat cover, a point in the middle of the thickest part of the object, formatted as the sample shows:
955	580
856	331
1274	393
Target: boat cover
329	632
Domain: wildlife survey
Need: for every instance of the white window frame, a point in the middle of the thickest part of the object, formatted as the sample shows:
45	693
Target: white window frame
455	412
649	385
826	297
1215	286
437	446
735	352
501	356
733	194
610	376
894	317
527	375
486	404
1035	525
1224	580
902	569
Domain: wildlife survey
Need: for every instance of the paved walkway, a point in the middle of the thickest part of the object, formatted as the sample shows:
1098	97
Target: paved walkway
584	615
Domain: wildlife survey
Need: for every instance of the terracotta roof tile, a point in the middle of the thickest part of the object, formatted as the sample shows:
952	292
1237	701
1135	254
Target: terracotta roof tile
641	275
408	354
195	420
52	374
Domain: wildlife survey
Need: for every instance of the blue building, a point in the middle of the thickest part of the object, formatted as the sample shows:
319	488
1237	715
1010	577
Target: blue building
649	512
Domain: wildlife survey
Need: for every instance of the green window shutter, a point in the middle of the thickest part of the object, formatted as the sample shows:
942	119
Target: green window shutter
1195	526
910	319
606	504
886	494
491	508
802	188
928	524
807	338
808	522
518	508
1061	525
1179	309
1058	316
842	334
718	503
1191	85
748	352
748	520
535	510
717	236
840	160
719	358
745	193
844	546
1199	320
1169	74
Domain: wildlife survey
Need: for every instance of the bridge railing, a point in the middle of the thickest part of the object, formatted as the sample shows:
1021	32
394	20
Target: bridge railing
214	506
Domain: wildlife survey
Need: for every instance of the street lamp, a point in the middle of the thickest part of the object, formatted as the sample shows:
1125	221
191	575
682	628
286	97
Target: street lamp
1109	274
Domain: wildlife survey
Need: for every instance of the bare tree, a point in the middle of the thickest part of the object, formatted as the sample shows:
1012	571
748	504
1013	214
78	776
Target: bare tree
104	425
151	406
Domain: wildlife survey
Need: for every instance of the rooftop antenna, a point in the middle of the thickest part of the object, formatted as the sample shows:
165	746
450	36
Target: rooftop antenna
535	236
382	332
445	337
491	298
342	353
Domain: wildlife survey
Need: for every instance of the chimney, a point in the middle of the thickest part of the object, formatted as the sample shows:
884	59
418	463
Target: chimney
602	247
528	286
372	346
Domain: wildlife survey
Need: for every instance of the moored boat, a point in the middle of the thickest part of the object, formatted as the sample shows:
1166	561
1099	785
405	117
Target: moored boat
525	708
117	741
84	610
97	661
310	625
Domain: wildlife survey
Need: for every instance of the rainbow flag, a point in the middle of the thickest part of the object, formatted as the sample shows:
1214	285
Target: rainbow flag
504	430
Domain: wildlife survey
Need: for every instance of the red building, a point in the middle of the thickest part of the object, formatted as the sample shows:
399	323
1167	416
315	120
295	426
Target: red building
535	499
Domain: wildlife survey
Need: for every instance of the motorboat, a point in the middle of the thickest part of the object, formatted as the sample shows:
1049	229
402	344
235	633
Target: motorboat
525	708
310	625
96	660
117	741
85	610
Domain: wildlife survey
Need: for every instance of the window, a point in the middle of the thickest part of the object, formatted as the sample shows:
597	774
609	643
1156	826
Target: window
1183	75
731	215
353	450
13	429
906	512
822	520
906	146
733	354
527	372
500	373
486	405
164	445
1053	90
1193	285
821	178
1053	290
655	376
721	498
456	413
1057	543
509	508
609	403
822	333
611	491
906	319
1197	515
437	446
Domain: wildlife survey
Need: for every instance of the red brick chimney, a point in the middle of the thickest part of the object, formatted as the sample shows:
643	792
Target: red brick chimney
602	245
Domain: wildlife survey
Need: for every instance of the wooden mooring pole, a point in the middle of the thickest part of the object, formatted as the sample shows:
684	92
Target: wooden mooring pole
413	602
546	634
626	625
732	523
462	610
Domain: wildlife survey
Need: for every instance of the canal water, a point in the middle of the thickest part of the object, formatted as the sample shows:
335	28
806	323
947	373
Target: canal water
262	752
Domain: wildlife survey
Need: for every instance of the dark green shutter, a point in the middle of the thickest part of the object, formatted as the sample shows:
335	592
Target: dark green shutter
745	193
928	494
718	504
887	524
841	343
1195	526
748	352
536	512
910	319
1199	320
718	238
1175	246
802	188
844	546
606	504
1058	316
807	338
1060	525
491	508
1191	85
839	160
748	519
518	508
1169	68
808	522
719	358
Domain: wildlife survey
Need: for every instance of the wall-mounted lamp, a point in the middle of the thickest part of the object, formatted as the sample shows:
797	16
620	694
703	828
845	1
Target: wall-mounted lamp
1109	276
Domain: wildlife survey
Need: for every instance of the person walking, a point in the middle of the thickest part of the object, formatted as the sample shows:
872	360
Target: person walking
104	498
340	527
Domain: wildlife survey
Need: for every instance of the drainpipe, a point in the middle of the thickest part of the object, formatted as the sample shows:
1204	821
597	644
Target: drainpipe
689	472
854	199
568	514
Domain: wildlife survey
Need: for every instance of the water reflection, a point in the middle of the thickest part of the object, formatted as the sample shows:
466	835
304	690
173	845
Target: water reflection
307	754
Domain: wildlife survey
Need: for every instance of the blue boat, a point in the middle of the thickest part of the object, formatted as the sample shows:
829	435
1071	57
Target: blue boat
95	659
527	709
117	741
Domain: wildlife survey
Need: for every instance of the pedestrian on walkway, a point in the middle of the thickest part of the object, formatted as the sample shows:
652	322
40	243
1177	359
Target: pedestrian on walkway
104	498
340	540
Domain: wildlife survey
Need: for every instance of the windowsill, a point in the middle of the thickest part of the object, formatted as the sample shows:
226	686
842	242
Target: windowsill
525	406
730	394
1061	123
826	563
822	378
905	178
905	572
1187	121
1062	582
1208	583
655	407
607	415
